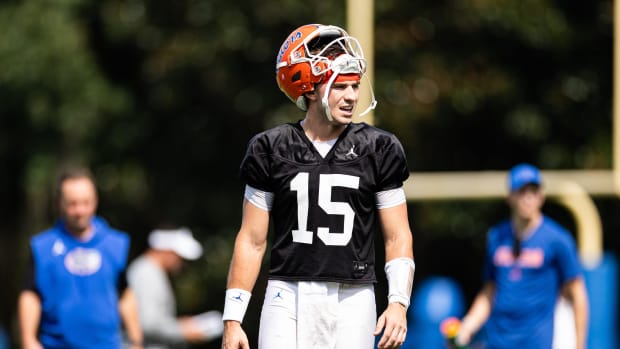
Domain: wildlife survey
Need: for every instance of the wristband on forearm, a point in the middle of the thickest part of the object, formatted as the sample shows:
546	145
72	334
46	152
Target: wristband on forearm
399	273
236	304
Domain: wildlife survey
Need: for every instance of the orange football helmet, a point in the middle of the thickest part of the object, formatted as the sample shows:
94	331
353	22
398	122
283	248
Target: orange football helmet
307	57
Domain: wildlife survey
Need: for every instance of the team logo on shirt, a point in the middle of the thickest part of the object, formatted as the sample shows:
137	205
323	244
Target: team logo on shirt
532	258
351	154
58	248
83	261
528	258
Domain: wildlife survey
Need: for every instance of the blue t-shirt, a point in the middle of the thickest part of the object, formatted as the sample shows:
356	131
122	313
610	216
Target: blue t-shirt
527	290
78	283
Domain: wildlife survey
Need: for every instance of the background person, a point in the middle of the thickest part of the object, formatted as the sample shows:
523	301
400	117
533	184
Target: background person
149	277
329	185
530	261
75	293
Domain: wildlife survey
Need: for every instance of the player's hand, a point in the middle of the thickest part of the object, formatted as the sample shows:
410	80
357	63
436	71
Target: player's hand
463	337
450	328
464	334
234	337
393	323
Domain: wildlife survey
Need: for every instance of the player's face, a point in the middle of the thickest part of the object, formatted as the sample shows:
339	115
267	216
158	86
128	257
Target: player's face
527	202
78	203
342	99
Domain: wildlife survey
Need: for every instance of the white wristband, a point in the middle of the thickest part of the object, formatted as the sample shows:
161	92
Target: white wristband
236	304
399	273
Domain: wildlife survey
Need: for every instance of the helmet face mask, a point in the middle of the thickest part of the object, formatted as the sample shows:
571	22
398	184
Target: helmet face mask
321	57
313	54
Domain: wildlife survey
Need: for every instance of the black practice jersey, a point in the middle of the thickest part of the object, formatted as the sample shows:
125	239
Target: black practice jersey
324	210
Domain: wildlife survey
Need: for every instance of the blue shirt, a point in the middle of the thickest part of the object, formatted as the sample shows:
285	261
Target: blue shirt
527	289
78	282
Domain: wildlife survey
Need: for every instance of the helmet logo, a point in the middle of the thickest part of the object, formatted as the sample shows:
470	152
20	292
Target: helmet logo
294	37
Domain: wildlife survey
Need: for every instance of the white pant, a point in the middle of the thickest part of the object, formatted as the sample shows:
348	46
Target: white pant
317	315
564	332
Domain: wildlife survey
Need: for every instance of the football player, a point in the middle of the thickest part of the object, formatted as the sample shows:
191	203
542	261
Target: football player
327	185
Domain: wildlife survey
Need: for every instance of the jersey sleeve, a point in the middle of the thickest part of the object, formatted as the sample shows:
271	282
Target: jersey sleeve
255	166
568	260
393	169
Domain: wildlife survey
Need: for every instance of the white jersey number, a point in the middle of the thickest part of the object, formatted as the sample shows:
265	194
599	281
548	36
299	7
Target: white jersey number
326	183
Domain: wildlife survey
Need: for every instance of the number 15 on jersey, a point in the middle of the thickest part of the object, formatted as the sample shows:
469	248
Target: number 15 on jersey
326	184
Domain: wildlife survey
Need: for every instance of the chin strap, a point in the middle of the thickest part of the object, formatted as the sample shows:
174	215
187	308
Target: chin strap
328	113
373	101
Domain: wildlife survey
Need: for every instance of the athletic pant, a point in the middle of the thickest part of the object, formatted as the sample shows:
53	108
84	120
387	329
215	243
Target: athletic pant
317	315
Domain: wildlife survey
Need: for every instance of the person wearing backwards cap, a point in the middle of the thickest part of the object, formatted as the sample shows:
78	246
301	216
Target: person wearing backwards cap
148	276
530	261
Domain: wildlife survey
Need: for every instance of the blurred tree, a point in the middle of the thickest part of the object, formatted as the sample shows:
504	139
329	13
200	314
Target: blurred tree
501	81
53	96
161	97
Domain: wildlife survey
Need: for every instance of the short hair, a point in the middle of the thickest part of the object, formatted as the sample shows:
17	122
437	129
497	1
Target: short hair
73	173
317	44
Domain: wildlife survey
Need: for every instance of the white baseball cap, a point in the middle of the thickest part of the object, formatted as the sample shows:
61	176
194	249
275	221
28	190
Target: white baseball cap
180	241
